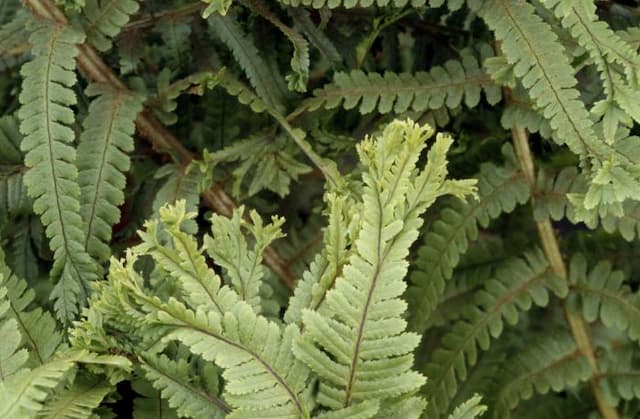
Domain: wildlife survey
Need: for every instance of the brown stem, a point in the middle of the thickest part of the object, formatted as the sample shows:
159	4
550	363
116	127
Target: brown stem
92	66
549	241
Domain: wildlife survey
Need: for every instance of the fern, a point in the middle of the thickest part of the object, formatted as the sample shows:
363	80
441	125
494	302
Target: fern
469	409
172	380
518	283
602	296
77	401
499	190
106	138
52	178
446	85
369	360
103	20
247	55
243	265
551	363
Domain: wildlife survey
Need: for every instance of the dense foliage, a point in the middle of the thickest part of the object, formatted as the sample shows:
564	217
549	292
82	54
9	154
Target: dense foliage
319	208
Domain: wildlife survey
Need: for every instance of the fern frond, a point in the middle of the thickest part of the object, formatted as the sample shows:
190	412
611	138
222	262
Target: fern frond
38	329
182	183
243	265
605	48
545	71
24	393
348	4
220	7
103	20
106	139
262	376
518	283
245	52
78	401
172	379
551	363
12	357
601	295
13	35
150	404
362	329
311	290
443	86
470	409
52	177
183	261
499	190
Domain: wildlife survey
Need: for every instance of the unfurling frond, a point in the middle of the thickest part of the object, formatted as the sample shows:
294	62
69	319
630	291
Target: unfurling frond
362	328
52	177
102	161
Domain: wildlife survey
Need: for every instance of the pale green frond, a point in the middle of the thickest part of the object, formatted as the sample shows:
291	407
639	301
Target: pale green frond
37	328
23	394
12	357
172	379
103	20
245	52
443	86
470	409
220	7
242	262
52	179
78	400
361	328
519	283
311	290
550	363
500	190
183	260
600	294
107	139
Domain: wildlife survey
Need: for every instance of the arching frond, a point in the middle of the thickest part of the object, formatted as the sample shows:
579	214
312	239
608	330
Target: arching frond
518	284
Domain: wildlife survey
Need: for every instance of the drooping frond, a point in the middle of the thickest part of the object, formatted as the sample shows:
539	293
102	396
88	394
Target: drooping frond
46	98
172	379
551	363
518	284
245	52
298	78
470	409
183	261
499	191
617	62
362	329
602	295
228	247
540	62
448	85
102	160
262	376
103	20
